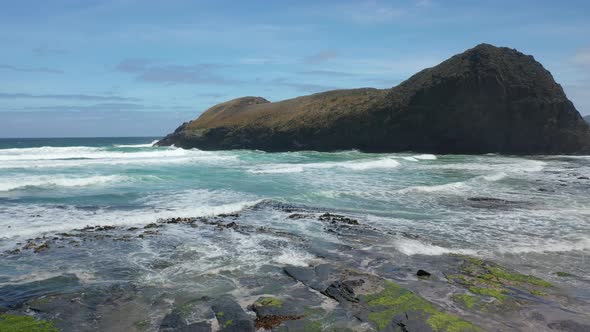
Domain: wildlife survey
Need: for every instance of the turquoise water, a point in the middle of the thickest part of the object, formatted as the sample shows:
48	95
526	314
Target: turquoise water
539	218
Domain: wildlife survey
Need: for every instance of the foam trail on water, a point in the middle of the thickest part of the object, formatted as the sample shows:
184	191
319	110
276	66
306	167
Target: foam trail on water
548	246
59	181
454	186
358	165
415	247
62	220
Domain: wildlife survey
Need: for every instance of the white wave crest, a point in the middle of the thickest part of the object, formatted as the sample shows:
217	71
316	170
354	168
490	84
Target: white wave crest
148	145
59	181
293	257
495	177
53	153
415	247
59	220
453	186
358	165
425	157
51	157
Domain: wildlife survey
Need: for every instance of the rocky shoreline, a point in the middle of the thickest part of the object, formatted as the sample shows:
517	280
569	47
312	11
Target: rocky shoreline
352	282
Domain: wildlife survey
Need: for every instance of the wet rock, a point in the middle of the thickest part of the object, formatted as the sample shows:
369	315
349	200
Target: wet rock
148	233
300	216
337	219
173	322
178	220
104	228
228	215
564	274
490	202
152	225
272	321
492	286
272	312
343	290
423	274
12	295
568	325
318	277
231	316
42	247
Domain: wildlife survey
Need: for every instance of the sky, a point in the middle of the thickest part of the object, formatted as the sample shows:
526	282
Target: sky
72	68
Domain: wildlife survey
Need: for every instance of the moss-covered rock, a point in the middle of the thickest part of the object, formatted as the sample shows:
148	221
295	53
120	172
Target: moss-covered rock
17	323
488	280
395	301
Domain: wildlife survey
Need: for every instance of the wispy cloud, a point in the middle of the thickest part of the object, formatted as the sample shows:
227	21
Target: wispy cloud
81	97
328	73
31	69
147	71
303	87
320	57
47	51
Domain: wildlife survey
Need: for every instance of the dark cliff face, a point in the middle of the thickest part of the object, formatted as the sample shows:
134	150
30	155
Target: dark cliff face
487	99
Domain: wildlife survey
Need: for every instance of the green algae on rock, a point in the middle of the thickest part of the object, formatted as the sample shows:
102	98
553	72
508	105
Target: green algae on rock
18	323
395	300
490	280
269	302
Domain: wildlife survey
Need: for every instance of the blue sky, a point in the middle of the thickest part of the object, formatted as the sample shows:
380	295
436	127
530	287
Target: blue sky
141	67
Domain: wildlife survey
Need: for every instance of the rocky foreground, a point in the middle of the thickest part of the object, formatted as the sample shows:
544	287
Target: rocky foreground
352	280
486	100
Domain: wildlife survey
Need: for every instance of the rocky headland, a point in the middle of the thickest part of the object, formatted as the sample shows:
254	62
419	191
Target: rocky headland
485	100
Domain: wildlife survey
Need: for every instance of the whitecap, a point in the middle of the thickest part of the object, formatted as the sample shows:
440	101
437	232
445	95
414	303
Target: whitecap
59	181
453	186
148	145
289	256
426	157
415	247
495	177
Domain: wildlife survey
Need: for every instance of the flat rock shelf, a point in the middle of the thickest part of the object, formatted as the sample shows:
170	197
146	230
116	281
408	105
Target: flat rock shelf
264	275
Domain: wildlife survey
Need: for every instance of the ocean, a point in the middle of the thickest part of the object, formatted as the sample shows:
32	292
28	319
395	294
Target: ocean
531	214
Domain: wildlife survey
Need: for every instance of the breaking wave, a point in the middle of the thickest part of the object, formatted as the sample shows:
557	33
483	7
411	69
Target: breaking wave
59	181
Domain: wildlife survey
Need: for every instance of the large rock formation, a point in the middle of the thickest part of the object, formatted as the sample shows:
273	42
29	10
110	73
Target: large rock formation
587	118
487	99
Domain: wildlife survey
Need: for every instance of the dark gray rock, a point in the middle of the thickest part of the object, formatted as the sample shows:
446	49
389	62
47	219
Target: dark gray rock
15	294
231	316
568	325
173	322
